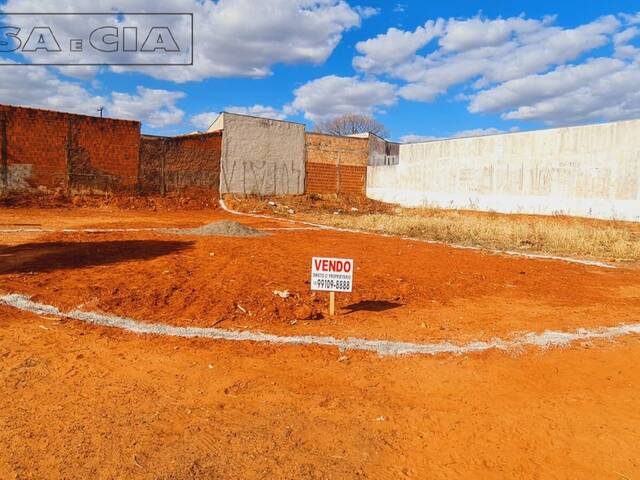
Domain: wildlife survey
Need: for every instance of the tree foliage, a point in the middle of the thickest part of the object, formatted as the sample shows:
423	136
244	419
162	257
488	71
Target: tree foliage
351	124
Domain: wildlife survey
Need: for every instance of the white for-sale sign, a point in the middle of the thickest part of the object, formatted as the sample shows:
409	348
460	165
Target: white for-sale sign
332	274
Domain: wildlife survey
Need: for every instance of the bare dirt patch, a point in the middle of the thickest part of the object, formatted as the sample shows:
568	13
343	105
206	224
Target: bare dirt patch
409	291
79	401
289	205
193	200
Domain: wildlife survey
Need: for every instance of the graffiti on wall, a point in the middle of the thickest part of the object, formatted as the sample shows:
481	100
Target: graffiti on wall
261	177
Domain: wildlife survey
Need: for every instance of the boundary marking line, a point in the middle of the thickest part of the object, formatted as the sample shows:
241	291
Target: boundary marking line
114	230
547	339
80	230
317	226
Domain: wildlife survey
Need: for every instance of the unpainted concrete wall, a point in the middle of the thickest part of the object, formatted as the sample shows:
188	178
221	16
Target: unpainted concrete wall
591	171
45	150
382	152
336	164
179	164
261	156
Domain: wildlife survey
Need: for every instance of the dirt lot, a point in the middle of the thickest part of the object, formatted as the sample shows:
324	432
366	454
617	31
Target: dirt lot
80	401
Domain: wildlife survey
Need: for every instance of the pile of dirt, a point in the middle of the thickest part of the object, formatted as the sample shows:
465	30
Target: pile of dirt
309	203
119	201
225	228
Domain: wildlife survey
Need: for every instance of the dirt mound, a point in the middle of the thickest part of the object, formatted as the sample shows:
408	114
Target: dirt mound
225	228
310	203
192	200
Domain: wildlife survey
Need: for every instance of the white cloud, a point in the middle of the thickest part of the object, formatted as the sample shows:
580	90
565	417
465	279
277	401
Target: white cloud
511	49
625	35
612	96
234	37
472	33
556	48
599	89
535	88
367	12
395	46
40	88
244	37
632	19
623	46
332	95
413	138
65	28
259	111
475	132
202	121
516	66
156	108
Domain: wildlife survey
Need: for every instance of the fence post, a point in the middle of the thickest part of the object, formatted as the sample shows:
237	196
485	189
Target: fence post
69	154
3	152
338	174
163	184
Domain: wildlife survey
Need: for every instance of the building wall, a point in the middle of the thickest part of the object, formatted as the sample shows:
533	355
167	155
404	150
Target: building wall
261	156
336	164
591	171
45	150
104	153
382	152
177	164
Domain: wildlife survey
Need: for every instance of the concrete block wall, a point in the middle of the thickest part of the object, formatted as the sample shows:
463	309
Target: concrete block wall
382	152
336	164
261	156
589	171
44	150
178	164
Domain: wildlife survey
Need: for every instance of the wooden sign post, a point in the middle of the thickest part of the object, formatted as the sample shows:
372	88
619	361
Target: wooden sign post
332	303
332	275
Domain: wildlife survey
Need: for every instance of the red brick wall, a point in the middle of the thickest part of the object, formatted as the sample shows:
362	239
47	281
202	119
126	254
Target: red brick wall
336	164
35	145
104	153
176	164
45	150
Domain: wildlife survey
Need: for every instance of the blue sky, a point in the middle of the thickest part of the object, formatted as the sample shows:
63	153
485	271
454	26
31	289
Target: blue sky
424	69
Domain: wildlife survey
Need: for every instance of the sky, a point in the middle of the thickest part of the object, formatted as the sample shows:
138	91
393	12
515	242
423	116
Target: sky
424	69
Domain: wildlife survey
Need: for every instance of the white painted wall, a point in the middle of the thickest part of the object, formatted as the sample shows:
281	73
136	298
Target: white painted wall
590	171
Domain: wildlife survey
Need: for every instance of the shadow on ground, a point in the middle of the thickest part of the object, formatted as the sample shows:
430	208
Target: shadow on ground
46	257
372	306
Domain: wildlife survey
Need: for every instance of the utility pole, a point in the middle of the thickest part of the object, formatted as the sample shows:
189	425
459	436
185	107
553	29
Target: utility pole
100	110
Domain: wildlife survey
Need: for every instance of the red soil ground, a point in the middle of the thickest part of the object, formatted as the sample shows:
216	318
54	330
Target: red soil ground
80	401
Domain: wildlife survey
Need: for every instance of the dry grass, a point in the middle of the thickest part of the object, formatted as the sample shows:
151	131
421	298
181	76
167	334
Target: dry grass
553	235
613	241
